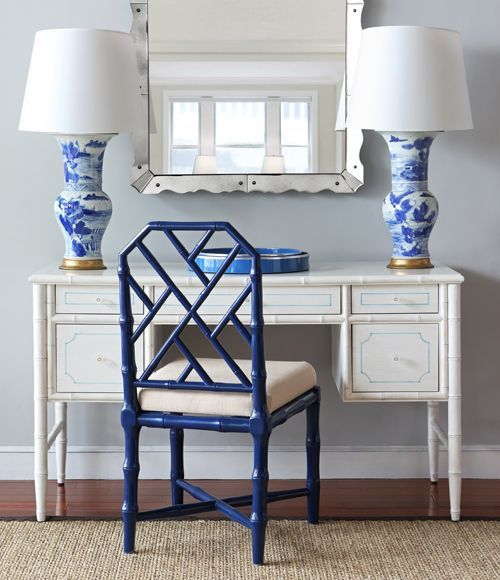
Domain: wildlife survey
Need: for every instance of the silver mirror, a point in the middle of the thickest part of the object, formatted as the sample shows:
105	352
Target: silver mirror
246	96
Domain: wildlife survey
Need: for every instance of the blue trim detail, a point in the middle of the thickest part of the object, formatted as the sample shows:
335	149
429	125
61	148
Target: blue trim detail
326	303
387	382
73	338
68	293
399	293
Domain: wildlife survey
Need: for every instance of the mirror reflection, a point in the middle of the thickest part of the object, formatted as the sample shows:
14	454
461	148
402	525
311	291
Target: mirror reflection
246	87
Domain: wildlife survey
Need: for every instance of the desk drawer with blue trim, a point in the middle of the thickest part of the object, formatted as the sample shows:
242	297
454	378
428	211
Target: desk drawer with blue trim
89	358
395	299
92	300
395	358
280	300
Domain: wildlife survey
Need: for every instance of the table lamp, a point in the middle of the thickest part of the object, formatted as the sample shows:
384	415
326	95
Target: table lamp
274	164
205	165
410	85
83	87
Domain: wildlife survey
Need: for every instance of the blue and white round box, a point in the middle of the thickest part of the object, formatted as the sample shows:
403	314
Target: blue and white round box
273	260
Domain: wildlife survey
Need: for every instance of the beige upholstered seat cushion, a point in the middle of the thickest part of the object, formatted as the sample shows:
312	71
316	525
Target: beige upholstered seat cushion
285	381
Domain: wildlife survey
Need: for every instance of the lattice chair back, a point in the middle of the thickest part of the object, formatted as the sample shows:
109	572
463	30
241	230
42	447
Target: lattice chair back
256	384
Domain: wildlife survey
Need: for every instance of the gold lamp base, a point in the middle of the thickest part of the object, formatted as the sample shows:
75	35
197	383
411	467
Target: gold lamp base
410	264
68	264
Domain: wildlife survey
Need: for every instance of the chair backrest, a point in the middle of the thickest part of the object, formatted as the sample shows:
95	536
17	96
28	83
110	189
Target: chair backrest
256	384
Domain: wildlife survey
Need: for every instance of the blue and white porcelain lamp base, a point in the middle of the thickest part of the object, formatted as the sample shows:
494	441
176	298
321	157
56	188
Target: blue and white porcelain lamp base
410	210
83	210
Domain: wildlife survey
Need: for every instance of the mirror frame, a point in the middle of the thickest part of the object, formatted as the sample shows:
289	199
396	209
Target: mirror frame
145	181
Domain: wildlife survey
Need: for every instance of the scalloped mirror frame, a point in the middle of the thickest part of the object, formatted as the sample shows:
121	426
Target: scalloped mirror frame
145	181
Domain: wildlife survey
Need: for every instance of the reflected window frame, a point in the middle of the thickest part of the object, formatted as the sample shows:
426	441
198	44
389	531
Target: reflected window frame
207	135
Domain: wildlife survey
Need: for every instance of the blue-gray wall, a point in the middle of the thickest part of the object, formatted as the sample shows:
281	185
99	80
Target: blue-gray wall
465	173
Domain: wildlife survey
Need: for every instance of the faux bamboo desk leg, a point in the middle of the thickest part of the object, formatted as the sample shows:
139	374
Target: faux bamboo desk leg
433	439
40	397
61	441
454	402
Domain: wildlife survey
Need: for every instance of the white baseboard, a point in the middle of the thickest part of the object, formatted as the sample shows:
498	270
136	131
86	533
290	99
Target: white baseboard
388	462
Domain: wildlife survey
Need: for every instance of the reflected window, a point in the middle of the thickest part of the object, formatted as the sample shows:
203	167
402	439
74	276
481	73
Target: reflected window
185	136
239	131
296	136
240	136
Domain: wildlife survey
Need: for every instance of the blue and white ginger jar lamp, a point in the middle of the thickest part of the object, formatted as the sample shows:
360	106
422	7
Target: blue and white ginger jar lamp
410	85
83	87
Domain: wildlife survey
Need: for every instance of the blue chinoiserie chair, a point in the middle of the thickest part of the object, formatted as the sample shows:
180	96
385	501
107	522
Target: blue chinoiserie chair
210	394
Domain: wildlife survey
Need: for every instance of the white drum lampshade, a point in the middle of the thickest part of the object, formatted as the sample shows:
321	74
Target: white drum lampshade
205	165
410	78
273	164
82	82
83	87
410	84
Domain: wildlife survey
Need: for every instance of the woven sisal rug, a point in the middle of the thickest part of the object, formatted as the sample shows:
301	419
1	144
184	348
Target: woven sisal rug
203	550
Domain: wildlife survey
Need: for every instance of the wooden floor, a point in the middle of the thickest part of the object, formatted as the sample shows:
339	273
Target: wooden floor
344	498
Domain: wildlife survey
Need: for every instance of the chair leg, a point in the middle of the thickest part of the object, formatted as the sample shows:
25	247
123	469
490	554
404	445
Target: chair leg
313	449
260	480
176	464
131	480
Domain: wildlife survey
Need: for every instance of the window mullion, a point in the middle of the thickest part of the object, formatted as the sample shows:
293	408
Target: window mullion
207	126
273	126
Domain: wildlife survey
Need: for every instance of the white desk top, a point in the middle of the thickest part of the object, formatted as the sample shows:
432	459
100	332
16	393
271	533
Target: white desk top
321	274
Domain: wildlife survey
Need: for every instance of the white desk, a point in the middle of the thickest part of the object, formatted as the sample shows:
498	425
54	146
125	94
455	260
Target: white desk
396	337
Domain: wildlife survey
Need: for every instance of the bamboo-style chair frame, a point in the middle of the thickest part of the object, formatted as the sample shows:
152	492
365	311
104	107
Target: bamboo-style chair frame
260	424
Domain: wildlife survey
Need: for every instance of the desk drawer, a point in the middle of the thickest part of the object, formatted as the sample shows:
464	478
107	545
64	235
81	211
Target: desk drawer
92	300
314	300
394	299
89	358
395	358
